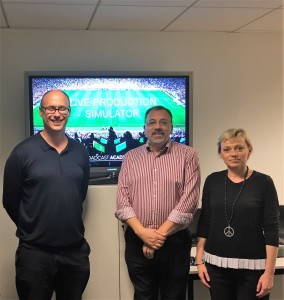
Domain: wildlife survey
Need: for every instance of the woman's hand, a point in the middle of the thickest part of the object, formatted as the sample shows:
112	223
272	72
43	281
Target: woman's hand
203	274
264	285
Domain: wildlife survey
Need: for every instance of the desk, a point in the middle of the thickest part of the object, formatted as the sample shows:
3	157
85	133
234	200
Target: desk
193	274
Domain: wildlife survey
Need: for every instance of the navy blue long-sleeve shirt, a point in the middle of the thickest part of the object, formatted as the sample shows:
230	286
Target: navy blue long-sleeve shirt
43	192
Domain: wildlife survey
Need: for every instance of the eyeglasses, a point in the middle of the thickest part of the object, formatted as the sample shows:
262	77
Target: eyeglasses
53	109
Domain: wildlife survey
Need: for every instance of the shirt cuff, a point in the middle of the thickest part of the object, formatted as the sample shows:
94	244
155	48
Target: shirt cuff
125	213
180	218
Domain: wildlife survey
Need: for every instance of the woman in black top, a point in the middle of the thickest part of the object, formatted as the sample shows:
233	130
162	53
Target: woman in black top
238	226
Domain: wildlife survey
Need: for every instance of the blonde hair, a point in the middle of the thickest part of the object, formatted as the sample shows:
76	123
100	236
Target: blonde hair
233	133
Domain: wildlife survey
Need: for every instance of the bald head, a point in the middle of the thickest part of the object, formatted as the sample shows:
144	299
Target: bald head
55	94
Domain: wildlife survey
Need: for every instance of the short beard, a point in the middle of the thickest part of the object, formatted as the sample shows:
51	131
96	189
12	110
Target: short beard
158	140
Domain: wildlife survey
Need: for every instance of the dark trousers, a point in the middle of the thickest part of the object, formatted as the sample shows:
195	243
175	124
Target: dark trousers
40	273
233	284
166	273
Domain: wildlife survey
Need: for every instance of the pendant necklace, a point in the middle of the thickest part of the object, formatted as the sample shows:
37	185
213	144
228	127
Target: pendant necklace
229	230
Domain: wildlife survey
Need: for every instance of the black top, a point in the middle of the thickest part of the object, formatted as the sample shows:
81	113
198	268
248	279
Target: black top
43	192
255	219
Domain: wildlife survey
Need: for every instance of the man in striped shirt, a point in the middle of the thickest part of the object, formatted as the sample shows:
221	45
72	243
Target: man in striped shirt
158	192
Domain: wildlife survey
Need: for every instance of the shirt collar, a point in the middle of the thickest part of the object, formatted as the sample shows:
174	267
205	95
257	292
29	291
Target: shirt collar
165	150
45	146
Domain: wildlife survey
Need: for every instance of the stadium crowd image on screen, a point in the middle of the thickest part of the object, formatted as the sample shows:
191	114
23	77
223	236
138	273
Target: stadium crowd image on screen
108	110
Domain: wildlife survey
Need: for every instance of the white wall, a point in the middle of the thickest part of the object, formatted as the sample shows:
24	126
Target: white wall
238	82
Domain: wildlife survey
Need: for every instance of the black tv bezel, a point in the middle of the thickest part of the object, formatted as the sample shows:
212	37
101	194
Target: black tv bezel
100	172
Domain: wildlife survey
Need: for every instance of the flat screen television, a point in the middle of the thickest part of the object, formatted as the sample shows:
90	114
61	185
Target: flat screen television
108	109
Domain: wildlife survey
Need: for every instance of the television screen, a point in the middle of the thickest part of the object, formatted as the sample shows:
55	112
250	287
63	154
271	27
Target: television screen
117	141
108	110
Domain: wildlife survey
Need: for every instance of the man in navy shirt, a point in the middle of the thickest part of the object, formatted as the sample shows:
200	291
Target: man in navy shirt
45	184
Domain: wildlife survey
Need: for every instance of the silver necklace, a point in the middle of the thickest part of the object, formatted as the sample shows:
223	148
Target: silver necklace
229	230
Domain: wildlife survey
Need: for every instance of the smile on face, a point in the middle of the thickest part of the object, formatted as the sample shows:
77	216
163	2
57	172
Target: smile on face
235	152
55	121
158	128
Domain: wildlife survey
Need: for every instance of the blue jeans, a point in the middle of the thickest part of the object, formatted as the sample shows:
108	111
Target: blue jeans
40	273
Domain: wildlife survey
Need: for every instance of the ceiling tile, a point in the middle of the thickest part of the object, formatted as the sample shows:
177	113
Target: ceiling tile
65	2
269	22
213	19
240	3
150	15
151	3
51	16
134	18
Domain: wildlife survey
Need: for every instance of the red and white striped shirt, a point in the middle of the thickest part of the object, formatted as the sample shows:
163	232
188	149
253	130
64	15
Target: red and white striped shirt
159	188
